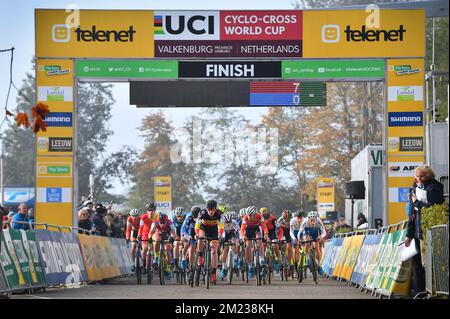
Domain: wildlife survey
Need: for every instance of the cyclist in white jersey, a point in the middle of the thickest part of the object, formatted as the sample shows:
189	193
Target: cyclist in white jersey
296	223
312	228
230	234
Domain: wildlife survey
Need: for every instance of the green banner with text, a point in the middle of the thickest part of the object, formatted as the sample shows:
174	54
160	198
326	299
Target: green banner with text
336	69
127	69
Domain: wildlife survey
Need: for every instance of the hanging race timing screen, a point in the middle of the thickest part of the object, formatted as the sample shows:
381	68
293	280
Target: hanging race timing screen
227	93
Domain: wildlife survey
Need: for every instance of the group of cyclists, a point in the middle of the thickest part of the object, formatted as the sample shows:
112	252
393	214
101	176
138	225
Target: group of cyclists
216	224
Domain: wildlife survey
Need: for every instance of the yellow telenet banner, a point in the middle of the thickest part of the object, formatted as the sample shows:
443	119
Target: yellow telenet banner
101	33
356	33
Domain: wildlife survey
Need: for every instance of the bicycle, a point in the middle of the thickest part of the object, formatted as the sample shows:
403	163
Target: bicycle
162	262
258	268
284	265
137	261
270	260
243	262
301	269
205	268
180	273
149	262
313	266
230	261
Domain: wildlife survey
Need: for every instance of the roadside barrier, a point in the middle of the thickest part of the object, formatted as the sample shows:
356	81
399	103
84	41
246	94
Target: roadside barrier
40	258
436	267
370	259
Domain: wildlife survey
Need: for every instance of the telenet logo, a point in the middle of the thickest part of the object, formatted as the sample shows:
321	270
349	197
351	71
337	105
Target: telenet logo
60	33
330	33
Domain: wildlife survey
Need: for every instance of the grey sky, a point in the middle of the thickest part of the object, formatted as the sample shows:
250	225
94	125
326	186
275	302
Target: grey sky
17	30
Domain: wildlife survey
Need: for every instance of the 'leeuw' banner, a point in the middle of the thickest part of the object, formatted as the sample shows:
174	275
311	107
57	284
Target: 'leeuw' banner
10	263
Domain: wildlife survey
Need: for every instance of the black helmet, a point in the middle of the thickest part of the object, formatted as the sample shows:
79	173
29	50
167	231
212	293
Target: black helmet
150	206
300	213
211	204
100	209
195	210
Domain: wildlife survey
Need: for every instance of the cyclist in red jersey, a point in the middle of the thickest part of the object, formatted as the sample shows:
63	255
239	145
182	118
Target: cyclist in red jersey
251	227
271	224
144	229
133	222
163	229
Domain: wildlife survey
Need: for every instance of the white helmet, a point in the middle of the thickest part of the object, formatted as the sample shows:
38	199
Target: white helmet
179	211
242	212
313	215
134	212
251	210
227	218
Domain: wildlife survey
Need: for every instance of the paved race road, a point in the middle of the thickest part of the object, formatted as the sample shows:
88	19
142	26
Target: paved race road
126	287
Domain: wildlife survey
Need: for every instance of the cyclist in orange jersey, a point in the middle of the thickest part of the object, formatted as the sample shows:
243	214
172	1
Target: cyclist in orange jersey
251	227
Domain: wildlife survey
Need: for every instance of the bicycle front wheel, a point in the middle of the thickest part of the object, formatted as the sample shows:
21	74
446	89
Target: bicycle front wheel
161	265
313	268
208	266
138	269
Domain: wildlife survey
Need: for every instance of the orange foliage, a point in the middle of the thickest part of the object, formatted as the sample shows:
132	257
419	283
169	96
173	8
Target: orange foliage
39	124
22	119
40	110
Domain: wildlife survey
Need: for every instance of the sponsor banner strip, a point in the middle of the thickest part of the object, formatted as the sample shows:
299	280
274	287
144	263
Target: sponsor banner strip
333	69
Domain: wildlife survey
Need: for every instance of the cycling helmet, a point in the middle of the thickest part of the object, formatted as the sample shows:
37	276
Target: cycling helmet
227	218
313	215
88	203
300	213
211	204
179	211
286	215
251	210
134	212
264	210
242	212
195	210
223	208
162	217
150	206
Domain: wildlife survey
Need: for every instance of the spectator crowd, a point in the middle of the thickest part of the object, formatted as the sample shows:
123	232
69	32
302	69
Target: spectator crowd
101	220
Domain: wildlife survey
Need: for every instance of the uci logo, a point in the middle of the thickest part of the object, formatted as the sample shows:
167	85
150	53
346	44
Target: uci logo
170	26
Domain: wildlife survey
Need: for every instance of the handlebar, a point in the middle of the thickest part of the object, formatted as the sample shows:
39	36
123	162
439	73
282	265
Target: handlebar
308	241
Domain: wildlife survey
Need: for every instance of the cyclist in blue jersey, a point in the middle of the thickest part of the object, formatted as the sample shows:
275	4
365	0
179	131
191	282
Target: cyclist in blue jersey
188	233
177	219
312	228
